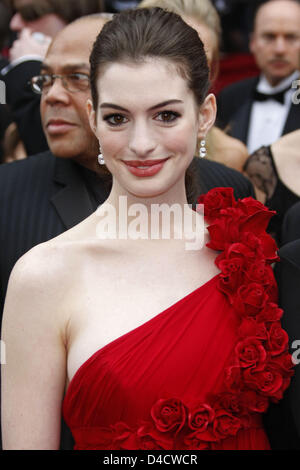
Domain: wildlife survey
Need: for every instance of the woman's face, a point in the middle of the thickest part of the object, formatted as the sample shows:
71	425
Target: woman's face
147	124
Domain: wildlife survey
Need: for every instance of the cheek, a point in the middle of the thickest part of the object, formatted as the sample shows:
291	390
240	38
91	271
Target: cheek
112	143
182	140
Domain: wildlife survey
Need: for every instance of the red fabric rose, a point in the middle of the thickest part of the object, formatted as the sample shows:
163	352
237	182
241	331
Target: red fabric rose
270	313
251	353
230	402
123	437
257	216
251	327
260	273
267	382
222	232
250	300
193	442
200	417
263	245
231	276
284	364
225	424
278	340
233	378
150	438
215	200
254	401
169	414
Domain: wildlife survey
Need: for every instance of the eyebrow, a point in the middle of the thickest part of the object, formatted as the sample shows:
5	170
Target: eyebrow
67	68
120	108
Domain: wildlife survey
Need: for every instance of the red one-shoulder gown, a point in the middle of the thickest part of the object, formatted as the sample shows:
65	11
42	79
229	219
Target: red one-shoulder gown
200	374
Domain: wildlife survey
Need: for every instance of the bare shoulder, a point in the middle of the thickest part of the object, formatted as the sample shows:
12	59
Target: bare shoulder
39	265
287	146
38	286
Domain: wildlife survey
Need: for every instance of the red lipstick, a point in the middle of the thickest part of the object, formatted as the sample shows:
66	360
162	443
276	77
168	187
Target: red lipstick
146	167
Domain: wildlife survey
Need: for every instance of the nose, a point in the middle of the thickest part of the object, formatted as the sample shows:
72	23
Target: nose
56	93
280	45
17	23
141	140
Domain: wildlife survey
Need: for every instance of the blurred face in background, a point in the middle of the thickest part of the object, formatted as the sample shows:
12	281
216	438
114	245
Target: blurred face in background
64	117
28	15
275	41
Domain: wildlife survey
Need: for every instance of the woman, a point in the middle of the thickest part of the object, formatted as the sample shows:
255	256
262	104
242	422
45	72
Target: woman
155	346
274	171
204	18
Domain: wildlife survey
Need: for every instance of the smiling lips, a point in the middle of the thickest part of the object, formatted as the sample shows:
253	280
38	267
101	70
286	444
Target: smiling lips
146	167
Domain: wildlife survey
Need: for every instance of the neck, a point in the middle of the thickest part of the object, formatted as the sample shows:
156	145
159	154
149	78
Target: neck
166	215
274	81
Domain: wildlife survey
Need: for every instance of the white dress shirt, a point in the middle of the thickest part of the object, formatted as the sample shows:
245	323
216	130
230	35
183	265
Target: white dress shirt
267	118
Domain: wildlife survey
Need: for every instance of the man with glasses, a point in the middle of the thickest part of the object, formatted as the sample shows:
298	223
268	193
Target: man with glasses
35	23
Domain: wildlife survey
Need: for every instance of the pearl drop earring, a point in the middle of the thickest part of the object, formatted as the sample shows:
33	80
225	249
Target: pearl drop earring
101	160
202	152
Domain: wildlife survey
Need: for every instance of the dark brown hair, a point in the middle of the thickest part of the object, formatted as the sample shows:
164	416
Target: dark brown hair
134	35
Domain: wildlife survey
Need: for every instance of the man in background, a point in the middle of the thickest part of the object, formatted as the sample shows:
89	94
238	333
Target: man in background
35	23
259	110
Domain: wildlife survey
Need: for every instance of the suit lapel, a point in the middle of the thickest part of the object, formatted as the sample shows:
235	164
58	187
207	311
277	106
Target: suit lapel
240	124
240	121
71	201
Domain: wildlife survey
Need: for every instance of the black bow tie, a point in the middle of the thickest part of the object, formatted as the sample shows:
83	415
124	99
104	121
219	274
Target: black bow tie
258	96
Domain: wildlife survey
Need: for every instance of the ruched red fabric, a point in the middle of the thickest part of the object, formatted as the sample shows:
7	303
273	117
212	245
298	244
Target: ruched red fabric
196	376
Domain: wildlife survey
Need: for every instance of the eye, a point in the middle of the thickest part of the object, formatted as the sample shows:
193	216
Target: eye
77	77
115	119
167	116
44	79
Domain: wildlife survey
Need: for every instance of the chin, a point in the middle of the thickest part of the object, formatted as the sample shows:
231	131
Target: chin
63	151
151	190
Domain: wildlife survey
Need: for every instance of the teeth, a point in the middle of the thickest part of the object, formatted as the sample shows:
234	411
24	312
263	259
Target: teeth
142	167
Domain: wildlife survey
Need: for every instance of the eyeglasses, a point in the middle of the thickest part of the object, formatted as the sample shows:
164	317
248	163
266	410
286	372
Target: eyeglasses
34	11
72	82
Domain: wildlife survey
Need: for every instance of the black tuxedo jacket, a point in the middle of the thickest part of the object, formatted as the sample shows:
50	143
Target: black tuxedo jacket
43	196
282	422
291	225
234	109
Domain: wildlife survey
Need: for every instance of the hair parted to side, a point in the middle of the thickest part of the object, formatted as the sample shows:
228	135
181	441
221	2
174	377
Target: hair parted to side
135	35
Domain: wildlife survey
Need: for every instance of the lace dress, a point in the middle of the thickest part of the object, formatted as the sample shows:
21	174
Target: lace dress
261	170
200	374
